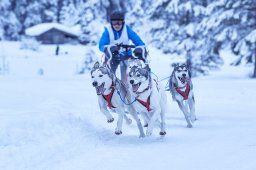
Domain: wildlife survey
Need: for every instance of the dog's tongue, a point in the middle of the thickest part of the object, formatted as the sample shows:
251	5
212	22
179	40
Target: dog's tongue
100	89
135	87
183	80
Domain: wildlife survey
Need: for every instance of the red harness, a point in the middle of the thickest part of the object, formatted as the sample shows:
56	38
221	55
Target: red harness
109	97
185	93
146	104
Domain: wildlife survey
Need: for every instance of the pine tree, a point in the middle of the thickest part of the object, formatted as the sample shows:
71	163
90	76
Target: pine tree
231	24
174	31
9	24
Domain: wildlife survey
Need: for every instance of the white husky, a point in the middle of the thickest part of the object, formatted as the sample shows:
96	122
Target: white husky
150	97
113	95
181	88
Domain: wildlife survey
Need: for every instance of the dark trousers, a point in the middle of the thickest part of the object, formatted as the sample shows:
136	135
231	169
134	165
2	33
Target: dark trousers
123	68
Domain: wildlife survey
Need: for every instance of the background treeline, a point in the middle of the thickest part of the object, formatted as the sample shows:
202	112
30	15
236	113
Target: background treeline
194	29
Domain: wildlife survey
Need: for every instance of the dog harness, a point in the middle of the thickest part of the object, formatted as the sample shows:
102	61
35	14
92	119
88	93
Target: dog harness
185	93
146	104
108	98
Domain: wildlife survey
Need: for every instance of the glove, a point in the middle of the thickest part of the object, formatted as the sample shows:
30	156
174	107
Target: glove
111	51
138	53
114	50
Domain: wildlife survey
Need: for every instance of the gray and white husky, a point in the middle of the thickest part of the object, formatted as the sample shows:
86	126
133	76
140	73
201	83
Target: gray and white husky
113	95
149	95
181	88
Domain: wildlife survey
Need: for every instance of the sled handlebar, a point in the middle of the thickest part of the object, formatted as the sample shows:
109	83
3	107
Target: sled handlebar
125	46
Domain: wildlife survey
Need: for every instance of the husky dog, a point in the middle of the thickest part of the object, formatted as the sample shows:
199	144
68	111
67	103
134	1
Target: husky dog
181	88
150	97
113	95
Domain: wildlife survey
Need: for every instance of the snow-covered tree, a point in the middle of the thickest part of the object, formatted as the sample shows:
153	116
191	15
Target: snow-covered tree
32	12
174	31
49	10
69	15
231	24
9	24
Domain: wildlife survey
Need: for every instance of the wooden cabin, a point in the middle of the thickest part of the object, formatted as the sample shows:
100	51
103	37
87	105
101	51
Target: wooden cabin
53	33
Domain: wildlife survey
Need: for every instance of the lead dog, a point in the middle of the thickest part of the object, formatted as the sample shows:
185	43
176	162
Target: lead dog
112	94
181	88
150	98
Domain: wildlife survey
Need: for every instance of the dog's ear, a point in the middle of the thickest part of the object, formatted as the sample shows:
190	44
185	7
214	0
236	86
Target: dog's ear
109	72
96	65
174	65
147	68
146	71
105	65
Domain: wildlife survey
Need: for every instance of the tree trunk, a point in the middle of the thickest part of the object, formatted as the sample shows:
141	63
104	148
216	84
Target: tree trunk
59	6
254	72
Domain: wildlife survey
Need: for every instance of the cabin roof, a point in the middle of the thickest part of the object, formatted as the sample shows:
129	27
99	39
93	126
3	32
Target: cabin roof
39	29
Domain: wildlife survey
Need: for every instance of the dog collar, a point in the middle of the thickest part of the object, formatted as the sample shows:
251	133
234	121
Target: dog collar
146	104
185	93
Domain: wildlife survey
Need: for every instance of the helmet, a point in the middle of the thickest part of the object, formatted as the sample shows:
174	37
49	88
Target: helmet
117	15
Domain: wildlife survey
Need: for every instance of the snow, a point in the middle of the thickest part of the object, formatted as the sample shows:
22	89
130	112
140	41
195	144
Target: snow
53	122
41	28
251	37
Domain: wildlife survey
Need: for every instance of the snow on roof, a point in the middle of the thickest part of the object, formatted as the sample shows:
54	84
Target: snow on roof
42	28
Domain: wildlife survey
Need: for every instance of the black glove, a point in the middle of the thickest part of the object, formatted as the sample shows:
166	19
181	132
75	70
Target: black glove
114	50
111	52
138	54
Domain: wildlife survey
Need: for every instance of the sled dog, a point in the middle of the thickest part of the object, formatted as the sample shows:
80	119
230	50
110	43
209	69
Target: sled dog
181	89
112	95
150	97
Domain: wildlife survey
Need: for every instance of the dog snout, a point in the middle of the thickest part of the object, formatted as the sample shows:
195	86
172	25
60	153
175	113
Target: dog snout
95	84
184	75
131	81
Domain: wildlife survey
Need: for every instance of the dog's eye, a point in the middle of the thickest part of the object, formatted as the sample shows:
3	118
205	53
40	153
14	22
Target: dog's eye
100	75
138	75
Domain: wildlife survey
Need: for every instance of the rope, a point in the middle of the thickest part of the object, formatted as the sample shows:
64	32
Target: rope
154	75
157	77
118	92
164	78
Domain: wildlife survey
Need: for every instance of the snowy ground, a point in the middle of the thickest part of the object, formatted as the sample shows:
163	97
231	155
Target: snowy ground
52	121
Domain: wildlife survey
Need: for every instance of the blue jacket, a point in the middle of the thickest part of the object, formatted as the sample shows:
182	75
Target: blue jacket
104	40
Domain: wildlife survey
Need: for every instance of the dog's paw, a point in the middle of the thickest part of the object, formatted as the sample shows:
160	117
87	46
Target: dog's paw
162	133
110	120
129	121
118	132
189	126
